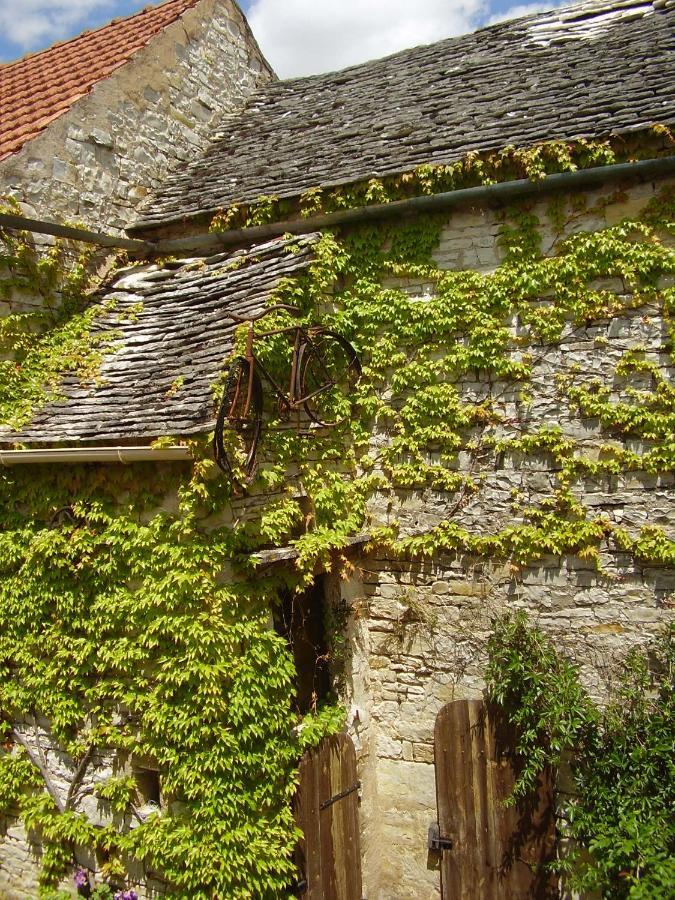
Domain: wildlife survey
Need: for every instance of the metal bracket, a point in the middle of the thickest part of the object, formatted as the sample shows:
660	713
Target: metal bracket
340	796
435	841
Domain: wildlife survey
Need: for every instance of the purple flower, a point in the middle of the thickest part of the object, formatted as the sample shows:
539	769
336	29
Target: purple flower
126	895
80	878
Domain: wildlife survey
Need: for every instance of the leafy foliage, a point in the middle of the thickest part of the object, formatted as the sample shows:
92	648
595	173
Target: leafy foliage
52	335
125	610
622	755
540	692
625	777
138	623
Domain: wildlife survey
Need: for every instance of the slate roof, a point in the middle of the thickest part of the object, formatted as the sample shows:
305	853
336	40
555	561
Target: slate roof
583	71
158	379
39	88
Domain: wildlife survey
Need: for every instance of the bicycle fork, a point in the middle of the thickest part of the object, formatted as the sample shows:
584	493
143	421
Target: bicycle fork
294	368
251	363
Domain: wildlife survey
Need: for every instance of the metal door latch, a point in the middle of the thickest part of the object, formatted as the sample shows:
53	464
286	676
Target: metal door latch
340	796
435	841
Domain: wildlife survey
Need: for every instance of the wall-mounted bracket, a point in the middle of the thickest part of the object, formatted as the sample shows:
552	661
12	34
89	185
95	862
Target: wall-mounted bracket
435	841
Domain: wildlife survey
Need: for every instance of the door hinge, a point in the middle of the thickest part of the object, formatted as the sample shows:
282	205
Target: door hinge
435	841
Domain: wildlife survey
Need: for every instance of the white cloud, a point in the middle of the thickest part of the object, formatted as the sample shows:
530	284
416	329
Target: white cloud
38	23
303	37
523	9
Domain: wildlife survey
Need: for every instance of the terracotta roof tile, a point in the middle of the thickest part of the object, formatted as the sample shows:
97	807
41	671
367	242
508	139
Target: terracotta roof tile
38	88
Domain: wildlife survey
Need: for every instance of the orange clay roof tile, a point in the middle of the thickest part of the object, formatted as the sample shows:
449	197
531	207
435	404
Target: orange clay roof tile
40	87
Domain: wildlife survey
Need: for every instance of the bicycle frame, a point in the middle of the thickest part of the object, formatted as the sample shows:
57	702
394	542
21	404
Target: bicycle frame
309	377
289	400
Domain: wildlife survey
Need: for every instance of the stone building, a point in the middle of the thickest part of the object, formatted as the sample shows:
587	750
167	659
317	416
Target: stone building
90	126
441	140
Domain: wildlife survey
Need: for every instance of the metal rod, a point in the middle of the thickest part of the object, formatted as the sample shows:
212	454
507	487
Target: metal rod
21	223
503	191
95	454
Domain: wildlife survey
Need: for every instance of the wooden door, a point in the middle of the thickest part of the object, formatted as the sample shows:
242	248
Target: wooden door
497	852
327	811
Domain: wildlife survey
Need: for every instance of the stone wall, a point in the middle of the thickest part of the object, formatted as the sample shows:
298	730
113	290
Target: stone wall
20	852
18	869
99	160
419	629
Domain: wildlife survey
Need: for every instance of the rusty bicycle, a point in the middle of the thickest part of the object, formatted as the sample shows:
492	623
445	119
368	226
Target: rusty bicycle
324	370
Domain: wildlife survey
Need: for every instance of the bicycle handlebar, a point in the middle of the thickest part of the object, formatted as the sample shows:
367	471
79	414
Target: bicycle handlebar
291	309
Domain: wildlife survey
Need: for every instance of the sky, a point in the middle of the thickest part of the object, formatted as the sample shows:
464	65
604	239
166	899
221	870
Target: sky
298	37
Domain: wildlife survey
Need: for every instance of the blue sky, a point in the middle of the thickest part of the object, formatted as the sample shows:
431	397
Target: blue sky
299	37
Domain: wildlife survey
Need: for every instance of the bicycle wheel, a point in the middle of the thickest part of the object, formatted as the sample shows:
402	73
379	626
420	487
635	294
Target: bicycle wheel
327	372
243	416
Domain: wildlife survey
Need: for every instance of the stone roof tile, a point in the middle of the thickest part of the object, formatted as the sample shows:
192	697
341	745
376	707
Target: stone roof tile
581	71
172	334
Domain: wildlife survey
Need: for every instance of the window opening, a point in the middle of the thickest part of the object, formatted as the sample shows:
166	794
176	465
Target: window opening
148	786
300	618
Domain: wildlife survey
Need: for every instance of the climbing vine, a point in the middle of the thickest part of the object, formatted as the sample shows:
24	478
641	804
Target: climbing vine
119	629
133	619
45	329
619	812
418	351
491	167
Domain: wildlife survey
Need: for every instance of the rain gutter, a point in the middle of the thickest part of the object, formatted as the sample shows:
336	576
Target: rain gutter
502	192
95	455
37	226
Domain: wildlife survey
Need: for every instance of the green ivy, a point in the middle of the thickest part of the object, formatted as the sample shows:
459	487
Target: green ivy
123	609
138	623
619	815
54	336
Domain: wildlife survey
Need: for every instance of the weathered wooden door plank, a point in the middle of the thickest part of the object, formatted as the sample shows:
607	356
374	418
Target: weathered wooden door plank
349	807
498	852
327	812
308	856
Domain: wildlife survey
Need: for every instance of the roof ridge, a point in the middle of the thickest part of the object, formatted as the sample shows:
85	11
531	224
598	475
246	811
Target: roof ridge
57	45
